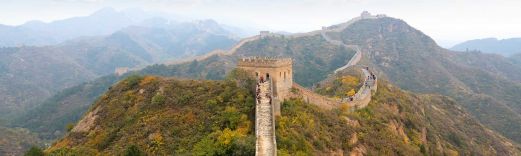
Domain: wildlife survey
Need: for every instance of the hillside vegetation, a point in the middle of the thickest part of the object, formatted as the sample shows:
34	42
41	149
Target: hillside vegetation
166	116
486	85
161	116
29	74
50	120
15	141
396	122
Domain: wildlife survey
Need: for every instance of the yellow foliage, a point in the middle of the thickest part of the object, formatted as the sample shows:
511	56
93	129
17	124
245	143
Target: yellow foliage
157	138
349	80
451	152
227	136
244	126
156	142
59	144
98	139
352	92
147	80
190	117
344	107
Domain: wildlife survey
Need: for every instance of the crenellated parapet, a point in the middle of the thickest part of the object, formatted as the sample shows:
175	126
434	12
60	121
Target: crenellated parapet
268	62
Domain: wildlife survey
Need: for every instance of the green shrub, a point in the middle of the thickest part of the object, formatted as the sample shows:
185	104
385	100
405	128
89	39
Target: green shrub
158	99
69	127
133	80
133	150
34	151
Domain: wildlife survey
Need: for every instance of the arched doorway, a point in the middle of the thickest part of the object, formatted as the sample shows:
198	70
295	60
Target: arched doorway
267	76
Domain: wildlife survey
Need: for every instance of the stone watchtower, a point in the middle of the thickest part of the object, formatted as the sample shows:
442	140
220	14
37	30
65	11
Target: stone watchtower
278	70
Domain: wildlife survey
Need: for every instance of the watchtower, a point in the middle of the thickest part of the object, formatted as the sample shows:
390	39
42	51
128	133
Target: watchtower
365	15
278	70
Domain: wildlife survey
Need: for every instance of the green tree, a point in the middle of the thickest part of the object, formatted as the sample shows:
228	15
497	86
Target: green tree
133	80
34	151
133	150
158	99
69	127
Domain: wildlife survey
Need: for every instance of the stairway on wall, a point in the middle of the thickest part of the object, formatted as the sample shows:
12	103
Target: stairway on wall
264	123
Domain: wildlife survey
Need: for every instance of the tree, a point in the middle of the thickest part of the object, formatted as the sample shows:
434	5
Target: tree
69	127
34	151
351	92
158	99
133	150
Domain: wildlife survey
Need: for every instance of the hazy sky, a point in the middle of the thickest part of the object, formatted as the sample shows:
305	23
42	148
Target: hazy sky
447	21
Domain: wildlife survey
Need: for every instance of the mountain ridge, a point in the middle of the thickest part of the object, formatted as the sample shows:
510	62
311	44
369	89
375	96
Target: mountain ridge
42	71
371	35
505	47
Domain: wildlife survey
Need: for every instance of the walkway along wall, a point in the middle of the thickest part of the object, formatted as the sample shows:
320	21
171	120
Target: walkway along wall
265	144
361	98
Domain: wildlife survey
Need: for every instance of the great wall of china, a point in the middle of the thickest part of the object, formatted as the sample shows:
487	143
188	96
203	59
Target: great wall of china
265	128
265	121
273	91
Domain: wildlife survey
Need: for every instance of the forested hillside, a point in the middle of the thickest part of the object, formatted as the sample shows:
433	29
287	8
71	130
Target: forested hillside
217	118
486	85
313	57
475	89
210	117
30	74
15	141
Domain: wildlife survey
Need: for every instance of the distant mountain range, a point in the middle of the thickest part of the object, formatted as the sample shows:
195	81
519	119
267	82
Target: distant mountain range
29	74
505	47
103	22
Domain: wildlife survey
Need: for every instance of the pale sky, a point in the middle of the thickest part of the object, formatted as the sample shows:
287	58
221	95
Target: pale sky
447	21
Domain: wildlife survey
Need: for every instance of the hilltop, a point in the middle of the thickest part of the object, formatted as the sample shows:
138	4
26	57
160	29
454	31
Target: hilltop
486	85
165	115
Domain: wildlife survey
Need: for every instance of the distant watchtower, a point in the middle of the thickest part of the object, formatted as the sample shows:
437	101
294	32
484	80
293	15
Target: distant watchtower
278	70
365	15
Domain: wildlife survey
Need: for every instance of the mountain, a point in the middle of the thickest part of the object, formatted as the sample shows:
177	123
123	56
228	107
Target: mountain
30	74
102	22
15	141
516	58
486	85
317	57
505	47
170	116
480	89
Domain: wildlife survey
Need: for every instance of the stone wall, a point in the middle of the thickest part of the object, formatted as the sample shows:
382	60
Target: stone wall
316	99
361	98
279	71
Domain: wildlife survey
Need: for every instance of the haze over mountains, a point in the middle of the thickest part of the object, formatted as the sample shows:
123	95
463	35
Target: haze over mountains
480	85
31	73
505	47
431	101
478	90
103	22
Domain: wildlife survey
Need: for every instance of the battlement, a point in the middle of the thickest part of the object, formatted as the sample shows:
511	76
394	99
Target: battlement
272	62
